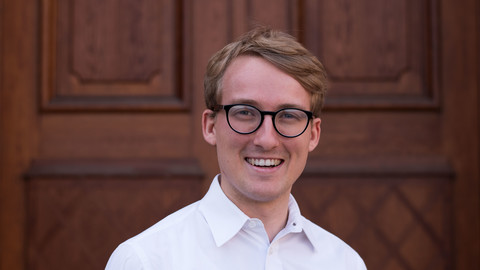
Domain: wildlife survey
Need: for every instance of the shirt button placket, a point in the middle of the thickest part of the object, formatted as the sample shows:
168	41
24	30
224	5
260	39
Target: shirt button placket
273	260
271	250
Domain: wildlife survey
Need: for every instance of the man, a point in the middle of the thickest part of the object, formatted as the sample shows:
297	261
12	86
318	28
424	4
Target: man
264	94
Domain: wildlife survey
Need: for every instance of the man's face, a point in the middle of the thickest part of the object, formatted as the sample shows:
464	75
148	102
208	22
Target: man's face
253	80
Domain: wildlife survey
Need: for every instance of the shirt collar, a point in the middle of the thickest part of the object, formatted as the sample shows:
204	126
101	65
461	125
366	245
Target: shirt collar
222	215
225	219
298	224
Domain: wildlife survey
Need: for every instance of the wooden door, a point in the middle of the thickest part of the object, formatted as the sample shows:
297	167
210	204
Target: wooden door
100	135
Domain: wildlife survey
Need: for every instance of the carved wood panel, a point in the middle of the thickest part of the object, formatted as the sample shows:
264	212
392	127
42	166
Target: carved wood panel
112	55
378	54
395	213
79	211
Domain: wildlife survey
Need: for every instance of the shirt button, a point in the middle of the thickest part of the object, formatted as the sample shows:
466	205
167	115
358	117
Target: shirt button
252	224
272	249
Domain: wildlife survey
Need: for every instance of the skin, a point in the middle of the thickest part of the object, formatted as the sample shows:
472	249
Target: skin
260	192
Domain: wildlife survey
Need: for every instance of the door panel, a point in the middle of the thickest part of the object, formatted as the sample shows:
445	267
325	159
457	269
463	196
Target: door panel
114	55
396	212
378	54
79	209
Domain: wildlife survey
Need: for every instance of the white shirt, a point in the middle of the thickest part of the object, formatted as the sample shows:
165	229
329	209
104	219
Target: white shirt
213	233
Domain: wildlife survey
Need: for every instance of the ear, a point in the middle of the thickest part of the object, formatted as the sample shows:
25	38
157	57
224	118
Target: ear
314	134
208	127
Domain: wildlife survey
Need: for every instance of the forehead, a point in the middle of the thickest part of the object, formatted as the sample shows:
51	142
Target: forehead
252	79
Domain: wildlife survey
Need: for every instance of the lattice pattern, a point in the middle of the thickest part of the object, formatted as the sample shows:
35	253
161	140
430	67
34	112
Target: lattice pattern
392	223
77	223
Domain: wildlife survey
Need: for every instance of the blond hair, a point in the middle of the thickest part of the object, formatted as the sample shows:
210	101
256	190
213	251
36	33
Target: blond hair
278	48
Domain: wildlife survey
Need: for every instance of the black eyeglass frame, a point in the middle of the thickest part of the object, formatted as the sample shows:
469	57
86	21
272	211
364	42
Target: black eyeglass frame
227	108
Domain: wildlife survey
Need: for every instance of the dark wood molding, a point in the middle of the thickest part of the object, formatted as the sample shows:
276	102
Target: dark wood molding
380	166
134	168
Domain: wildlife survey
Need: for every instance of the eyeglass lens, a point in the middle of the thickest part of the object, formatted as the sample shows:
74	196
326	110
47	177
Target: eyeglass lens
247	119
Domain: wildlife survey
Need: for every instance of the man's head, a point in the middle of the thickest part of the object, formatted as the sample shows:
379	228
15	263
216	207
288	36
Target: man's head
279	49
260	115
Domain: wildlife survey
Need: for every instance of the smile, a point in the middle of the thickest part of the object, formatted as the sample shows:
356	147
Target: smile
260	162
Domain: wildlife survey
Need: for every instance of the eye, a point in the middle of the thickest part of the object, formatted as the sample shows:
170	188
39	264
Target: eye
291	115
243	112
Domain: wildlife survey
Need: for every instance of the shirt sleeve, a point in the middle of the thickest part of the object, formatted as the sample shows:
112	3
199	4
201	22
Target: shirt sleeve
124	258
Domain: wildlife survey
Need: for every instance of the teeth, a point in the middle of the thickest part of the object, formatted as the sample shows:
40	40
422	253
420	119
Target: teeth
264	162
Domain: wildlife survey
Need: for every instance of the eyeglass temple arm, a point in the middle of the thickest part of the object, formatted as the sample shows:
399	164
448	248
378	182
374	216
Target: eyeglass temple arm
217	108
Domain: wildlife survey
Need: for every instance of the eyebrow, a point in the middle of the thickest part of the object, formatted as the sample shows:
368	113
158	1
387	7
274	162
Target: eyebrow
256	104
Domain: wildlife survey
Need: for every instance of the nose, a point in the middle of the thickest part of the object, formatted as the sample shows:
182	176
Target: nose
266	136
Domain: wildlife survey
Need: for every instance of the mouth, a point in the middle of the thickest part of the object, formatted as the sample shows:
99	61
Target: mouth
264	162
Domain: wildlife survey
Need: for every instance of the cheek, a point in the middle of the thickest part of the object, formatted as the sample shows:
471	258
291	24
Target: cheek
229	143
302	148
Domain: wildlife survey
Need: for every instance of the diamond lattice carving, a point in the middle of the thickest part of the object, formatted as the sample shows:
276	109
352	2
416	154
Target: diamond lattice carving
393	223
77	223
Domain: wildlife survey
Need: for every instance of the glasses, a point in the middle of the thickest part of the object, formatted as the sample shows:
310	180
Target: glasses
246	119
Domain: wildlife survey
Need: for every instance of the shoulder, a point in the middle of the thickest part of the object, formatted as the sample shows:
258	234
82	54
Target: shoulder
134	253
319	235
124	257
329	244
169	222
166	229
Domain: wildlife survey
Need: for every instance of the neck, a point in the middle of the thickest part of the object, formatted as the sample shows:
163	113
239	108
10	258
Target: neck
272	212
